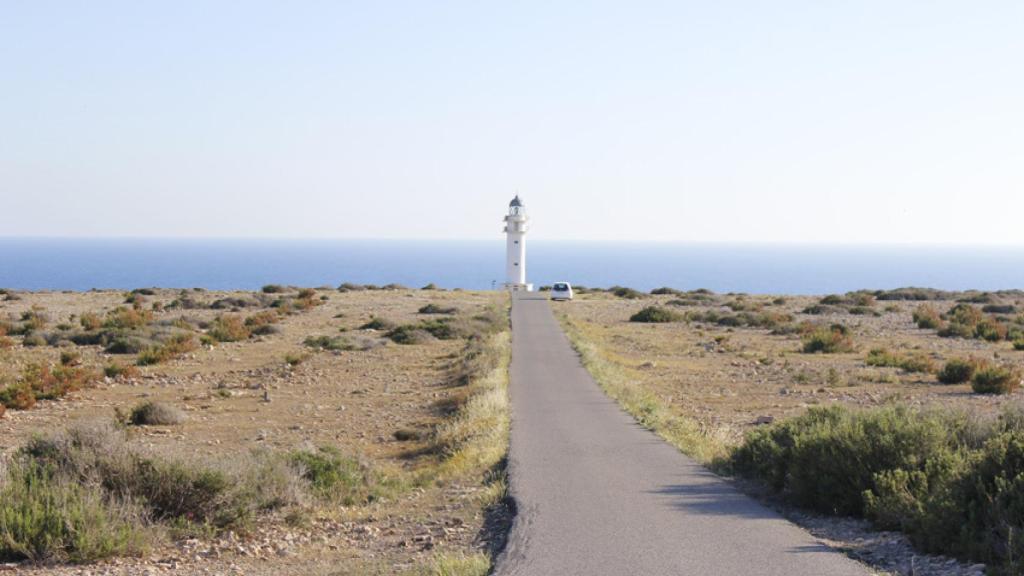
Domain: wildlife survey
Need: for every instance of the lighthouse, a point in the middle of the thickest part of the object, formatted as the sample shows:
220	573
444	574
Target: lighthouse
515	252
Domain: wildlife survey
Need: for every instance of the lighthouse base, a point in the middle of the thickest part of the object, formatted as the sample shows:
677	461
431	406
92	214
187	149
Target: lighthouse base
512	287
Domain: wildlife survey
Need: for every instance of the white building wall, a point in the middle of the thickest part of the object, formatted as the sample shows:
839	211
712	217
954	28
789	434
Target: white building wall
515	259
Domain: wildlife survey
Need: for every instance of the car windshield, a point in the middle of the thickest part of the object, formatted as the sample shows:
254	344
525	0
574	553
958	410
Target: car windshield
561	287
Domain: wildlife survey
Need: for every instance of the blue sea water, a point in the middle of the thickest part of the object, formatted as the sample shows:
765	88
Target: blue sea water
76	264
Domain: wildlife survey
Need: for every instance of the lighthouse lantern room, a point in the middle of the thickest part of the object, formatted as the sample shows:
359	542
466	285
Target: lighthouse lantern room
515	233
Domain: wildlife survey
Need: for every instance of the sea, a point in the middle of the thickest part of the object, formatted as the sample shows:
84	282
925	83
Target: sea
218	264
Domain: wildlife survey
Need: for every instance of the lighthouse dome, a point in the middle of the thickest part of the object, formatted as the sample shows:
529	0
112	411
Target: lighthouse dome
516	202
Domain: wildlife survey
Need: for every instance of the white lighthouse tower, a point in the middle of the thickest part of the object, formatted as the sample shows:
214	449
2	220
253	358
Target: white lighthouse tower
515	233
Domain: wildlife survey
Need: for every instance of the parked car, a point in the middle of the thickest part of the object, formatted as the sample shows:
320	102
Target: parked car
561	291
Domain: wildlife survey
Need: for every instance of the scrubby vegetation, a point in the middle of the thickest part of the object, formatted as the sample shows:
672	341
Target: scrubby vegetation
624	292
45	382
749	319
828	340
437	309
450	328
655	314
995	379
958	371
964	320
84	494
951	480
156	414
172	348
914	362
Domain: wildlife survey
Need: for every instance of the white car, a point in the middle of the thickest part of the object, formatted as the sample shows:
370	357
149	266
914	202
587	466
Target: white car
561	291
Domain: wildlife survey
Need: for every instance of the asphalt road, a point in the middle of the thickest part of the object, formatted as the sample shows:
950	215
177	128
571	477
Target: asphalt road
598	495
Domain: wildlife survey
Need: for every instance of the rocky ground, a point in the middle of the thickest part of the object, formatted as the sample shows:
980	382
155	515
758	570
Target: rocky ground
240	396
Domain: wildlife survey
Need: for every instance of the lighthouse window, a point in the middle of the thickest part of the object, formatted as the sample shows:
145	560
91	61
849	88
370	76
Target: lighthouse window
517	263
515	241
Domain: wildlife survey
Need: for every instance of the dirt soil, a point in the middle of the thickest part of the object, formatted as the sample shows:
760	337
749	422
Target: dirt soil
243	395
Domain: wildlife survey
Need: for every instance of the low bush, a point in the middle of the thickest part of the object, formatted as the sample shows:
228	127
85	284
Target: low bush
437	309
350	287
377	323
828	340
33	339
1018	344
623	292
913	293
328	343
122	318
47	518
115	370
999	309
995	380
407	334
655	314
18	396
228	328
156	414
927	317
90	321
957	371
172	348
826	458
34	319
665	290
333	476
272	289
909	363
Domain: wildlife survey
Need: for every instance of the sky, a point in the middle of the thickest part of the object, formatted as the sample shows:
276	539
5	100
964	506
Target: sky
816	121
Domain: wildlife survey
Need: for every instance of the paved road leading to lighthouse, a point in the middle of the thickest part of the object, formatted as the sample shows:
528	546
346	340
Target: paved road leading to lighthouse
598	495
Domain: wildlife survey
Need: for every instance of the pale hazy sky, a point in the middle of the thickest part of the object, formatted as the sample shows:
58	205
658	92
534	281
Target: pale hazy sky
813	121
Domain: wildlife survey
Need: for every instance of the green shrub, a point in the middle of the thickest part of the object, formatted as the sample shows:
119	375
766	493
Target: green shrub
350	287
828	457
273	289
655	314
407	334
122	318
115	370
1018	344
334	477
443	329
665	290
828	340
34	319
623	292
45	518
156	414
228	328
18	396
912	363
172	348
328	343
995	380
927	317
90	321
957	371
377	323
436	309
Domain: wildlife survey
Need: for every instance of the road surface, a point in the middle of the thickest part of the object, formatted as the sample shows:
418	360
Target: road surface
598	495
